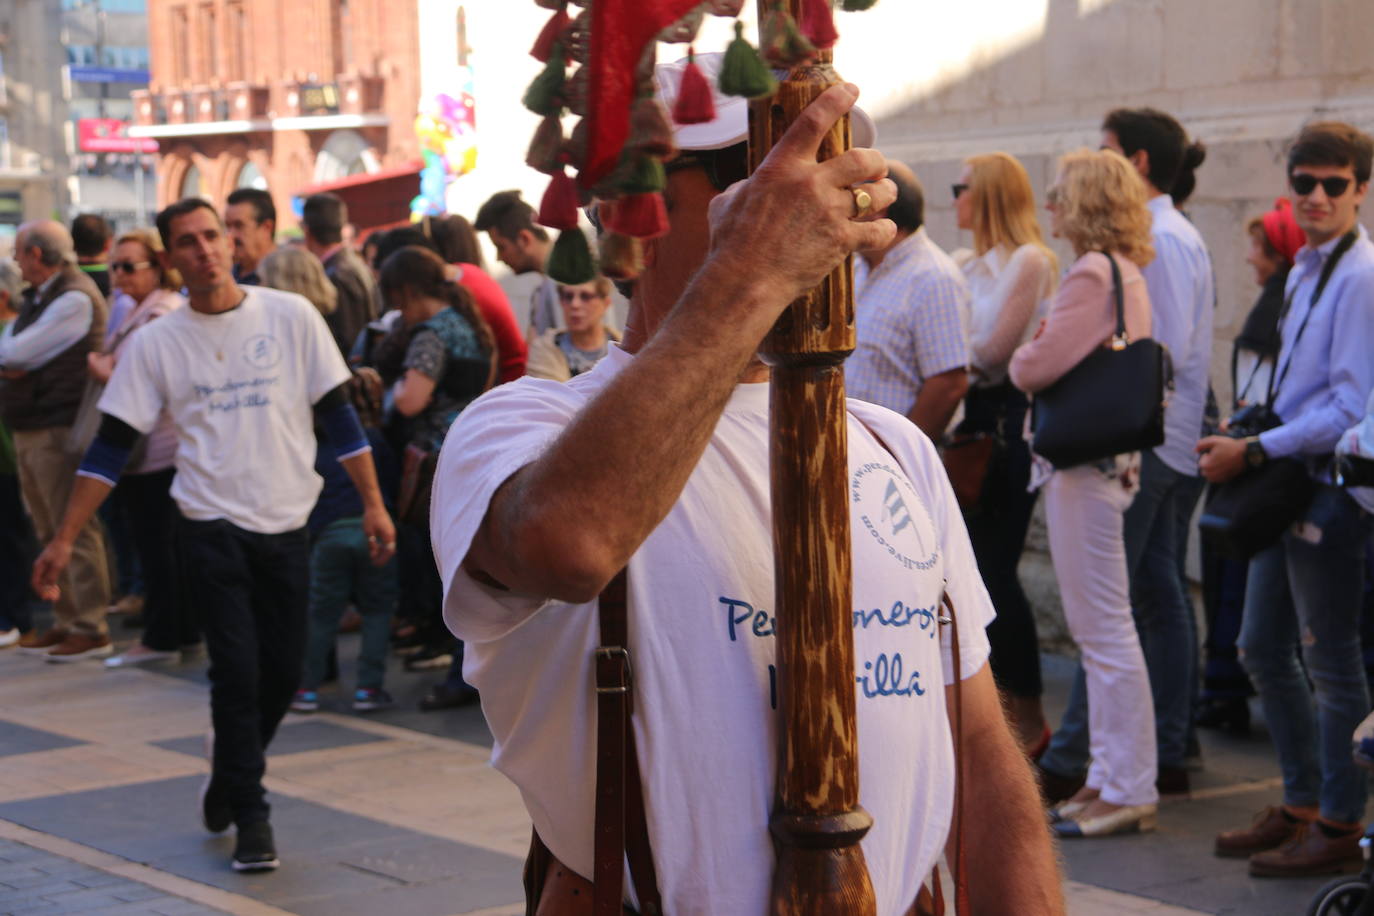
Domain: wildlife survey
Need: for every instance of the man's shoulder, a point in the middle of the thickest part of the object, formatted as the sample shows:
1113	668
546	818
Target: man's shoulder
278	303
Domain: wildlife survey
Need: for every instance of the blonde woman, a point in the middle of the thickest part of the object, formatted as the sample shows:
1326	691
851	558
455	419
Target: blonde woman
1011	274
295	270
1097	203
169	628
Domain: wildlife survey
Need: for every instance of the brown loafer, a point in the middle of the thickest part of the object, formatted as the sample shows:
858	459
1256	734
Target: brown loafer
36	643
1310	852
1272	828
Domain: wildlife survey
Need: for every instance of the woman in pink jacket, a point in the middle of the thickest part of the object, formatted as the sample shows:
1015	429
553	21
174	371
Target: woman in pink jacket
1097	204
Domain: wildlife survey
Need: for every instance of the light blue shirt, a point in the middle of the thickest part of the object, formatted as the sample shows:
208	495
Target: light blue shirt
1324	381
1182	299
911	320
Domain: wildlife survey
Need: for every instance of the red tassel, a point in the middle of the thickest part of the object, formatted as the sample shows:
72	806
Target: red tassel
558	208
543	45
818	23
696	104
640	216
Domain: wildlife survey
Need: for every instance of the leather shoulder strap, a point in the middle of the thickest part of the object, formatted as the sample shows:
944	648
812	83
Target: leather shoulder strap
621	826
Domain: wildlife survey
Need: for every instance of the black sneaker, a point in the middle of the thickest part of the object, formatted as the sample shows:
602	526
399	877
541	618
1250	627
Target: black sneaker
429	658
254	850
215	812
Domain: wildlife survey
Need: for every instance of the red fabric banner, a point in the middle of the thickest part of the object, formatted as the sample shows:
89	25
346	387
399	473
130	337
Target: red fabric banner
621	29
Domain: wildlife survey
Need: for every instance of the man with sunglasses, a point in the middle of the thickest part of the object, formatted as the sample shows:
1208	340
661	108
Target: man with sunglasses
1307	588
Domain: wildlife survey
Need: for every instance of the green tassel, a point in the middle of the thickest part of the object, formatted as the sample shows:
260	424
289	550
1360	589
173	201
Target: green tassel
784	46
645	176
545	95
570	262
743	72
858	6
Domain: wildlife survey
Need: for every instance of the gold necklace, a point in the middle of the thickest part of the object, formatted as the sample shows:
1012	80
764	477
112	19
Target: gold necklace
228	326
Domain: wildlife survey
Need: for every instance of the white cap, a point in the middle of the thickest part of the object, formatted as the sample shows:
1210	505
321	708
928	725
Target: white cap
731	124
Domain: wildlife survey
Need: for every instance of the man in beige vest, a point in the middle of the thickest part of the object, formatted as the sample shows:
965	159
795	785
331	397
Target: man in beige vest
42	378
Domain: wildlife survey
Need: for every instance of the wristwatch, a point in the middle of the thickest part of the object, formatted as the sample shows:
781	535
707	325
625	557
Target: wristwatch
1255	456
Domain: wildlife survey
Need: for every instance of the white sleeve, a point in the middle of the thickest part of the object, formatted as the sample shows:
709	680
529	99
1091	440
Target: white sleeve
325	368
963	582
64	322
498	434
134	392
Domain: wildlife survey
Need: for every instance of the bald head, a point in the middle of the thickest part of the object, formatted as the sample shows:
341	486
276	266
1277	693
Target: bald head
42	248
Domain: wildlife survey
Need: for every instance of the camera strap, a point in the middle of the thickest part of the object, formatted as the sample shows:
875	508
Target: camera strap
1277	377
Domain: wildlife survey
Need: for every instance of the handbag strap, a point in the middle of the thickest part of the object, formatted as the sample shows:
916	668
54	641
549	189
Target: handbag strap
621	827
1120	339
1276	378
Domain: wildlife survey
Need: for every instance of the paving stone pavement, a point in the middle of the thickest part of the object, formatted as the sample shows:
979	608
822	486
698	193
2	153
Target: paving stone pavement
39	882
398	812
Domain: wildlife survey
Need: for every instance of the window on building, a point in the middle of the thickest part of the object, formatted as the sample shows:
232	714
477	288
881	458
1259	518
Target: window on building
237	18
209	46
181	44
341	37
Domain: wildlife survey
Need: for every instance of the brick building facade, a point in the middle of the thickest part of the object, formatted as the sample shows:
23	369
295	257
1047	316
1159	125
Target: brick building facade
284	96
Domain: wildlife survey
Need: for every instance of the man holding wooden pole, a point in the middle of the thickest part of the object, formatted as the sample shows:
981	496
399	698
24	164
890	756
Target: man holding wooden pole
658	459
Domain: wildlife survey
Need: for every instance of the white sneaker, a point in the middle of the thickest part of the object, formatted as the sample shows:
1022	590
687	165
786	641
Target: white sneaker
140	655
9	637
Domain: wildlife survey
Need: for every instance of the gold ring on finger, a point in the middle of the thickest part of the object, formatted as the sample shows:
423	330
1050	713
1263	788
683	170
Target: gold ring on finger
863	202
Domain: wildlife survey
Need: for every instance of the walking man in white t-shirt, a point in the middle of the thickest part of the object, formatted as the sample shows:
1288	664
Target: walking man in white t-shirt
242	372
658	458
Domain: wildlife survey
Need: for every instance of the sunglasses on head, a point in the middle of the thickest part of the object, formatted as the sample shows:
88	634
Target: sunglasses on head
1304	184
128	267
957	189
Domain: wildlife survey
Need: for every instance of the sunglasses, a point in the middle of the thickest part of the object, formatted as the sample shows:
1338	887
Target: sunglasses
1304	184
568	295
957	189
128	267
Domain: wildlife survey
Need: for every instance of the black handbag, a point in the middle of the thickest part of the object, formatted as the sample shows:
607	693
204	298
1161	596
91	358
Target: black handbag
1250	512
1110	403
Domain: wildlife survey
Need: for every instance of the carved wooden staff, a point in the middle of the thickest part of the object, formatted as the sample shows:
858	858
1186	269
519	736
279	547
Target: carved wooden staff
817	821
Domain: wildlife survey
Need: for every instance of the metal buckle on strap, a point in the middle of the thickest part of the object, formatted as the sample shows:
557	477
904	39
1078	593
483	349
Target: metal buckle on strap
614	653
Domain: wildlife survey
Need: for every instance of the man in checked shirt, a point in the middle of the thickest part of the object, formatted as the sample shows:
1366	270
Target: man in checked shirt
911	315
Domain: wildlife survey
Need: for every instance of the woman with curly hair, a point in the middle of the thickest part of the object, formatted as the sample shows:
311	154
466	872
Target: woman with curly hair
1097	203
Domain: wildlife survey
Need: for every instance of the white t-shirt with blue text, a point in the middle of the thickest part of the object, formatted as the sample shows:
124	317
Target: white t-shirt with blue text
240	386
702	647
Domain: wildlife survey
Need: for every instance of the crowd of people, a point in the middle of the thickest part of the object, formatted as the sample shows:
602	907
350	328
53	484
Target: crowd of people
239	443
229	444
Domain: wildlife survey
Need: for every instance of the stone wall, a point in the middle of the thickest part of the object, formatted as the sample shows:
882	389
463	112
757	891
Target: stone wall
1241	75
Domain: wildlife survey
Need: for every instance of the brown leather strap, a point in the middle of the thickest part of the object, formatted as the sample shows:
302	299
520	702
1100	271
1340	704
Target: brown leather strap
621	826
959	866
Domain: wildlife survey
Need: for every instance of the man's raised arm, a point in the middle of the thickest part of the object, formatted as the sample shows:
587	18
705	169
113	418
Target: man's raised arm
626	456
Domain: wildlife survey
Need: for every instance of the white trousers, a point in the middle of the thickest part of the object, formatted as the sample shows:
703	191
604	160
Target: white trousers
1084	508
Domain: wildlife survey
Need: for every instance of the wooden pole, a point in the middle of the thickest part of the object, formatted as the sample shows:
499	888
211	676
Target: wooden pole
817	822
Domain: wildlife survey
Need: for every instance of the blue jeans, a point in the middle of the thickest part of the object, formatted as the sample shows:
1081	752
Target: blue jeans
1304	594
340	569
1156	534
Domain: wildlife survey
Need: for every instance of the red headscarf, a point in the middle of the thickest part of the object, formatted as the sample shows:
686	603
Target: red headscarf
1282	231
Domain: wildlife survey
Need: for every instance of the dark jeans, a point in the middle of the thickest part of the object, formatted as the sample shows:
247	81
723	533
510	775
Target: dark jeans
16	556
252	589
169	622
1156	535
1305	595
127	576
997	529
1223	600
340	568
